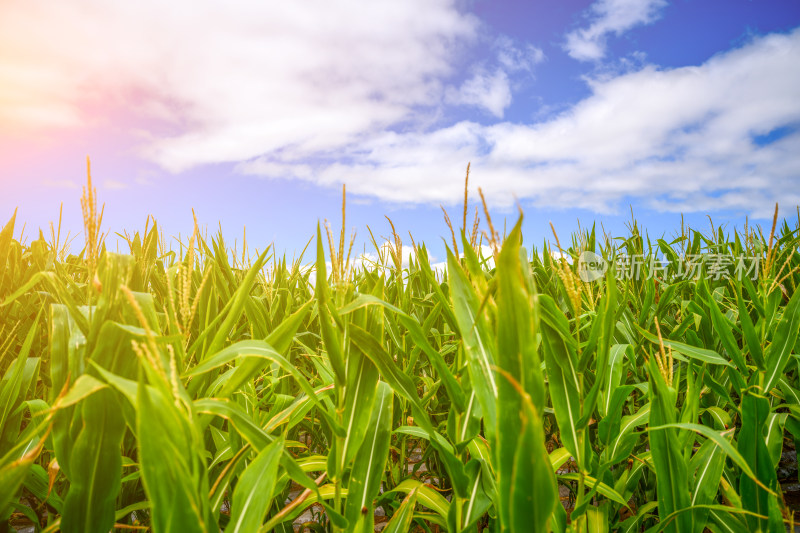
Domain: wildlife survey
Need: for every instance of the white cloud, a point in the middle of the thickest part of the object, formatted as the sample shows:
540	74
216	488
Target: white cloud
114	185
489	91
610	16
490	88
678	139
59	184
514	58
290	95
229	80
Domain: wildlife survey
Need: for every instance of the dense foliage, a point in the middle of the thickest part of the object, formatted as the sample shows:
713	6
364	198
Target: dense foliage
199	390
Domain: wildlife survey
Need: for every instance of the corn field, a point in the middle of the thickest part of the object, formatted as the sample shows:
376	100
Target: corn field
195	388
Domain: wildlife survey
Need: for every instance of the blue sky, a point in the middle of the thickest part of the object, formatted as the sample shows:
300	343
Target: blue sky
255	115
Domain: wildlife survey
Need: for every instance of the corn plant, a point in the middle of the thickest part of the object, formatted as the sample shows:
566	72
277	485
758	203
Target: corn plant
191	387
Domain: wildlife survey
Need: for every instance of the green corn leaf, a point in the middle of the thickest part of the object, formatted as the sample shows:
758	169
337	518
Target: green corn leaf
12	385
753	448
632	524
362	384
369	464
671	470
723	328
597	519
261	350
83	387
477	501
477	343
427	495
14	466
777	353
399	381
526	485
416	331
404	387
233	310
701	354
96	462
175	485
255	489
325	492
720	440
616	359
404	515
774	436
749	331
609	426
564	390
558	457
533	491
280	339
330	335
6	235
37	483
728	519
707	464
602	488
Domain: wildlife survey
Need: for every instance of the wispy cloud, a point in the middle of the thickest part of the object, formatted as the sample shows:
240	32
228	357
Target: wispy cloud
489	91
114	185
59	184
491	87
516	58
607	17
